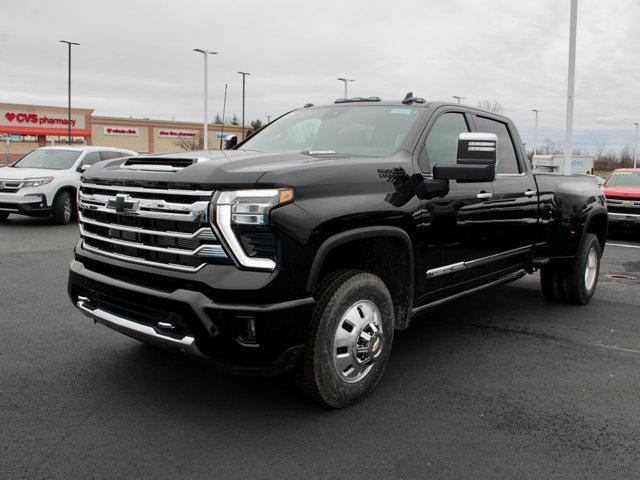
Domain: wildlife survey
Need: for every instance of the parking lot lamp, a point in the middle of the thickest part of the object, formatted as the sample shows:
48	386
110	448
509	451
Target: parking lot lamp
459	98
69	90
205	54
244	76
346	82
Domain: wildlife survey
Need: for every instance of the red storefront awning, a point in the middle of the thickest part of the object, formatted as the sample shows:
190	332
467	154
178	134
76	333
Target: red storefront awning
75	132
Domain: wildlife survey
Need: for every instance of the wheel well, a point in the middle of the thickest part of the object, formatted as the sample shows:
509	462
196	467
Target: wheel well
388	257
598	226
70	189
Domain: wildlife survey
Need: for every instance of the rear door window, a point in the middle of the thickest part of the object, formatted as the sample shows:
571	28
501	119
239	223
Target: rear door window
507	159
109	154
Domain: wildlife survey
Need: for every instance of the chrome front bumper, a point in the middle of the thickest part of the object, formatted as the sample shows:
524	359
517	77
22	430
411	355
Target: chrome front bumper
138	331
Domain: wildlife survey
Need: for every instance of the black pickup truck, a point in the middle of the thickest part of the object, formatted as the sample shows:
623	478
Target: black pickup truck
303	248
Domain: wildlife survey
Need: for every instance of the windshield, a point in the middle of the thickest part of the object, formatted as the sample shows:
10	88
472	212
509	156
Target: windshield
624	179
349	130
50	159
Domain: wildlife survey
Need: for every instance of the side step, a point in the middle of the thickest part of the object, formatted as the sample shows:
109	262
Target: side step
499	281
540	262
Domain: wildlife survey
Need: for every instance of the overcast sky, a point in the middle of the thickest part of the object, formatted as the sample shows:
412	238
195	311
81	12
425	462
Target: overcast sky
136	57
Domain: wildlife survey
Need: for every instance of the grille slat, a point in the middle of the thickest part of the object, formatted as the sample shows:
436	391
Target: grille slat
143	225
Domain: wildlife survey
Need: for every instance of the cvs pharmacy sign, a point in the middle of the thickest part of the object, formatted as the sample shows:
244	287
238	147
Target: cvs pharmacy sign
34	118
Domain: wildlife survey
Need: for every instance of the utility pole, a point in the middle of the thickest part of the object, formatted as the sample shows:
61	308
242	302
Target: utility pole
224	111
346	82
69	90
568	139
459	98
244	77
535	131
205	128
635	149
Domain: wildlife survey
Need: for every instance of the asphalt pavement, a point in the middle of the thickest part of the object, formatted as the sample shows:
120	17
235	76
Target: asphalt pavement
500	384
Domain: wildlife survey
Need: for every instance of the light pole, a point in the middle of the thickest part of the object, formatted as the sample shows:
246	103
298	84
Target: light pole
244	77
635	149
69	90
268	119
535	131
346	82
568	139
459	98
224	112
205	54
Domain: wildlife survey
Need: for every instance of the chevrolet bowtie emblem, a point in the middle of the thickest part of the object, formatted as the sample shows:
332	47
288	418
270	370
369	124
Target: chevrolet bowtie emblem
627	203
123	204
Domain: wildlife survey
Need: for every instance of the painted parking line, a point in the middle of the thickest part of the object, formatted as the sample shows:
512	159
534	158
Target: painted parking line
622	245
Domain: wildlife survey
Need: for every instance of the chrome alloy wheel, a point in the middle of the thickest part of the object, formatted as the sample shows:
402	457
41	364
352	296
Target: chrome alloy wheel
67	209
358	341
591	269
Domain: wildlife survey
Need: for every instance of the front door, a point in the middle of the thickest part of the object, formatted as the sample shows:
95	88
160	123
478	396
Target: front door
455	232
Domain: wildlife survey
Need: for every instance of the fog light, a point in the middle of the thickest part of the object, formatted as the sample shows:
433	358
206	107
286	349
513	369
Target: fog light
247	328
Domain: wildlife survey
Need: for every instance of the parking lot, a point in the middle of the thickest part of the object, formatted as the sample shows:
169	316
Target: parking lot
498	385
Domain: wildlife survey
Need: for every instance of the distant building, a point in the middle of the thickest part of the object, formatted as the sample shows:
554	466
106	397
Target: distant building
553	163
26	127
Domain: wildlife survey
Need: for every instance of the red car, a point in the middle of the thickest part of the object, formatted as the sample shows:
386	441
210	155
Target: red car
622	190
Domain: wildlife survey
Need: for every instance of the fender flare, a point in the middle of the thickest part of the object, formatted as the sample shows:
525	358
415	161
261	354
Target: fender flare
357	234
601	211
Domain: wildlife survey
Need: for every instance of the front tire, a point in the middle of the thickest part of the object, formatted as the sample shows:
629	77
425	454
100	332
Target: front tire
349	339
62	208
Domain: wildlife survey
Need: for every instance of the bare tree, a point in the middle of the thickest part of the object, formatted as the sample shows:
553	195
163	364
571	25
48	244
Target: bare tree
190	143
548	148
599	150
491	106
234	120
218	120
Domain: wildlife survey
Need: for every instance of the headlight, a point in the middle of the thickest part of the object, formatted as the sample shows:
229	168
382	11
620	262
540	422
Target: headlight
36	182
246	208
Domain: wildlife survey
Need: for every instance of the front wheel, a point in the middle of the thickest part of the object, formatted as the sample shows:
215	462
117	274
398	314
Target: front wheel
62	208
349	341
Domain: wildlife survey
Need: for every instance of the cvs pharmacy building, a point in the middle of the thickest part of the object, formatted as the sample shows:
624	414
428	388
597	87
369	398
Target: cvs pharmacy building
26	127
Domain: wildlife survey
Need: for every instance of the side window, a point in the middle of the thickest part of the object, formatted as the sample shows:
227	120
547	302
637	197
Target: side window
91	158
109	154
507	159
441	145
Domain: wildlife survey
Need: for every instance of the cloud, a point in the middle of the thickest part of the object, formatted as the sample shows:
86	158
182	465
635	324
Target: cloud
136	58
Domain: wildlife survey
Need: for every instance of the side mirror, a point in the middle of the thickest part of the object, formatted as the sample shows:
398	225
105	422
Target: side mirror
83	167
477	154
230	141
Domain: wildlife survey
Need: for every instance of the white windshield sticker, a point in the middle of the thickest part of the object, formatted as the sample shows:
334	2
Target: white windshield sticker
401	111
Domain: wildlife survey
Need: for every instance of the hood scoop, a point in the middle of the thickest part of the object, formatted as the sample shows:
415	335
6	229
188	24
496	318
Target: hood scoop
160	164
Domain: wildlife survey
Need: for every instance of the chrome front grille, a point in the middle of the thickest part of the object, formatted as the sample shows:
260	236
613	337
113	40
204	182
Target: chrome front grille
623	206
161	227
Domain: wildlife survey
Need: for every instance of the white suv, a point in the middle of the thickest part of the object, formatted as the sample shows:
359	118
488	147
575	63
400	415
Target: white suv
44	182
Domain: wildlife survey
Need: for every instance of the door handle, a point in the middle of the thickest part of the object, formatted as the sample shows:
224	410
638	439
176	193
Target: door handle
529	193
484	195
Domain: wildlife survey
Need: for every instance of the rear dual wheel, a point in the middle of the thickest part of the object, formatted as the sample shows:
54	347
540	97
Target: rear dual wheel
577	281
349	340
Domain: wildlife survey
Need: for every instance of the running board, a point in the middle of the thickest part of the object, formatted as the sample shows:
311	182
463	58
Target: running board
499	281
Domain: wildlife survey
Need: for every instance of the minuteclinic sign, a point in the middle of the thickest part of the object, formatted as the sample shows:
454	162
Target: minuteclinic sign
41	120
124	131
163	133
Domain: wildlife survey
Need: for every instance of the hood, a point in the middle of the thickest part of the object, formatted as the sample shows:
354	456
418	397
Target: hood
230	167
626	191
22	173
